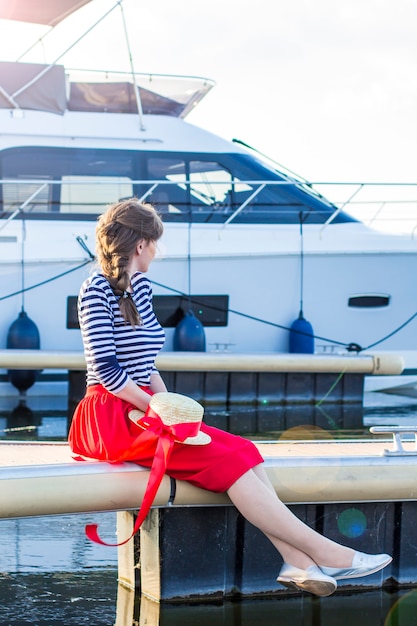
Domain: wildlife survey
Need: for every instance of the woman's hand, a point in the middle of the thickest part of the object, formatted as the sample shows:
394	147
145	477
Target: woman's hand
130	394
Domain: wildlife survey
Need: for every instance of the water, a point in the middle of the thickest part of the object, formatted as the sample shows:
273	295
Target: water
89	597
51	574
58	598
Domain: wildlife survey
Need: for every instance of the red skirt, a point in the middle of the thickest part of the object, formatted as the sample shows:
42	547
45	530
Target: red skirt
101	429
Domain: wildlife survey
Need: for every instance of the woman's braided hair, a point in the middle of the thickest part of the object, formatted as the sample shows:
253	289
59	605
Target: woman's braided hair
118	232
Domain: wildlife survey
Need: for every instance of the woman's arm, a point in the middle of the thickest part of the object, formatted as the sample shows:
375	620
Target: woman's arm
97	323
134	394
157	384
96	319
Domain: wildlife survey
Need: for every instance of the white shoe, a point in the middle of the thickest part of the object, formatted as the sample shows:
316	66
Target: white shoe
362	565
311	579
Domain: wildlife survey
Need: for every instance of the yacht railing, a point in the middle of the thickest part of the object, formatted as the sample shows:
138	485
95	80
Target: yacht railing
244	204
388	207
23	205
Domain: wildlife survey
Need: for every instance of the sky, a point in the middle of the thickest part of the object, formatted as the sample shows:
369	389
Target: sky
328	88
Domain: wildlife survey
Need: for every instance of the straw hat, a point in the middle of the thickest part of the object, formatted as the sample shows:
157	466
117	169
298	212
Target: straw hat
173	409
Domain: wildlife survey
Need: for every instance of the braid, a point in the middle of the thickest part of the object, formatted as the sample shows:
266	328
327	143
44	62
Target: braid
118	232
127	306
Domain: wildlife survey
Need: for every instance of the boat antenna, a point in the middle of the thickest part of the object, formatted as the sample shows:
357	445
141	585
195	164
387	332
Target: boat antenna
132	71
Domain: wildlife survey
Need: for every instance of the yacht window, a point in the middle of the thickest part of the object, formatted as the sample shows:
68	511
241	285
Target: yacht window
170	200
184	187
201	190
210	186
83	180
91	194
369	301
16	194
212	192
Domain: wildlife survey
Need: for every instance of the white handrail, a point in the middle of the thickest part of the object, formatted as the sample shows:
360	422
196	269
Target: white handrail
359	208
244	204
340	208
381	364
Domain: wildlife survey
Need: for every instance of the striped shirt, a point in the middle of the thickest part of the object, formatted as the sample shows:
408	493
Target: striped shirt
115	350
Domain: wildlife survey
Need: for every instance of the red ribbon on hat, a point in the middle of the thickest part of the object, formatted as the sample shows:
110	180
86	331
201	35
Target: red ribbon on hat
167	435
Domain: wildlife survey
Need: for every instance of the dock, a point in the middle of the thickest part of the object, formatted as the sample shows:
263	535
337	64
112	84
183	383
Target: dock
362	493
39	478
194	545
280	389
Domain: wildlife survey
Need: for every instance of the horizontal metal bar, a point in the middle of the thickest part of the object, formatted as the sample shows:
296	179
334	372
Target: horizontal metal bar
390	430
301	474
380	364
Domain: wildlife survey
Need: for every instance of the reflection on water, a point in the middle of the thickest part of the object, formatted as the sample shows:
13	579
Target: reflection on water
51	574
24	424
337	420
73	599
59	598
54	544
363	609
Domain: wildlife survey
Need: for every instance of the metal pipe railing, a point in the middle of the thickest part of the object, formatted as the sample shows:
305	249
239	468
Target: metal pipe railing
379	364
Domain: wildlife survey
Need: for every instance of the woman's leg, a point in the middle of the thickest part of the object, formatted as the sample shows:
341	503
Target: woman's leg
300	545
289	553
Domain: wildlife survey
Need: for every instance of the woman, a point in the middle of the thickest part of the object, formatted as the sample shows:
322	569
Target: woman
121	338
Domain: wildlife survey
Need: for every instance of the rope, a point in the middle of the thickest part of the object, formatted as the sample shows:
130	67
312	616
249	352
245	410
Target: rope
45	282
410	319
329	391
352	347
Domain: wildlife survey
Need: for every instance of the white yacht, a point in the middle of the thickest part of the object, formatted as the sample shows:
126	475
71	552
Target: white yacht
246	247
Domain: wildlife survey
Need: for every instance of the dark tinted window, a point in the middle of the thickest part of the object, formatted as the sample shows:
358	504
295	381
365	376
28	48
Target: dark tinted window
201	188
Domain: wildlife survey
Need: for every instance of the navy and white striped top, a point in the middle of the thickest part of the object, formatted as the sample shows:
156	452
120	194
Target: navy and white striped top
115	350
